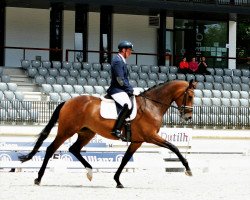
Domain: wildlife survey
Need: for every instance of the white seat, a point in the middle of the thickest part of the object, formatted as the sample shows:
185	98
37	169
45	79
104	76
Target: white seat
89	89
225	106
197	101
68	89
9	95
99	89
216	93
244	95
57	88
54	97
216	108
78	89
207	93
74	95
226	94
12	86
235	102
65	96
3	86
235	94
225	102
47	88
244	102
19	96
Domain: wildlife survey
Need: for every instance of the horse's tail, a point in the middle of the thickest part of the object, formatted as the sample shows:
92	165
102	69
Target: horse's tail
44	134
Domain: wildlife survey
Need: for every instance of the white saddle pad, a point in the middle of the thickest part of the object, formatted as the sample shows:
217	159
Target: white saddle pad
108	109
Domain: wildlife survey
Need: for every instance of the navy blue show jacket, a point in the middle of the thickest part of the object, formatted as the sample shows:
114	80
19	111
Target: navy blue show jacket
119	77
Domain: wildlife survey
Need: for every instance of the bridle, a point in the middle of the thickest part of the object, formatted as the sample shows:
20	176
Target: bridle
183	109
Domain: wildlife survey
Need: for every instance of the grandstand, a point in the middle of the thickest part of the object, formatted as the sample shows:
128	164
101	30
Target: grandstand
29	94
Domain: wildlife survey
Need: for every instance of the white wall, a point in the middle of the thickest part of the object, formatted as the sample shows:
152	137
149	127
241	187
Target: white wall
26	28
30	28
135	29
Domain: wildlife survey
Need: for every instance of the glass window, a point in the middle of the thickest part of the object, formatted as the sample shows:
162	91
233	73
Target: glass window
211	41
184	24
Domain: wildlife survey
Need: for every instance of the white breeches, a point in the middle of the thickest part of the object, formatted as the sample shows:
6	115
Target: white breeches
122	98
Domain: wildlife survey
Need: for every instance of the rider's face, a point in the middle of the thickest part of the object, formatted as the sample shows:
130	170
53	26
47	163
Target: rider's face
127	52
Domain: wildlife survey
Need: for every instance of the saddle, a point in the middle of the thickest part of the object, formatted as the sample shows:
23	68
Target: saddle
109	109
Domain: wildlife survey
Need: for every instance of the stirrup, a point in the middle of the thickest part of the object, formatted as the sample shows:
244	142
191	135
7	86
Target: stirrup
117	133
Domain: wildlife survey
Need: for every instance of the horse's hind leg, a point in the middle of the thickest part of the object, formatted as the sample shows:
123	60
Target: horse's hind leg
49	152
163	143
83	138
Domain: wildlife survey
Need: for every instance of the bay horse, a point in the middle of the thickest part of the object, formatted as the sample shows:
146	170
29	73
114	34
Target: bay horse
81	115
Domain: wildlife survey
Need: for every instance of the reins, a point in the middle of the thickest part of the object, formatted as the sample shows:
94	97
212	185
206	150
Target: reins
181	109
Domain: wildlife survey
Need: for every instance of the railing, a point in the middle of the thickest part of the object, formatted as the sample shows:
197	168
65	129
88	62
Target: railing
69	57
37	112
25	49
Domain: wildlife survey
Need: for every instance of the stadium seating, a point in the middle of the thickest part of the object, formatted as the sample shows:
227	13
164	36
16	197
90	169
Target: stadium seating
223	93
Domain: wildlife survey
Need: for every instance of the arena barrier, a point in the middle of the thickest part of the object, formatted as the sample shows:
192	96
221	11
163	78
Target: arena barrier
101	153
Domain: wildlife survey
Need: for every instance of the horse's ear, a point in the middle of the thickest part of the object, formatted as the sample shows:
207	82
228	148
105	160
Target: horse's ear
192	84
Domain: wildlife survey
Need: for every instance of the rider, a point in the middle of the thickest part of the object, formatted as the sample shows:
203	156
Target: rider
120	89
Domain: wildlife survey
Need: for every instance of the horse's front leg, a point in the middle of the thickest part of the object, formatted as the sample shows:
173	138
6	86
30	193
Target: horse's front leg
163	143
129	153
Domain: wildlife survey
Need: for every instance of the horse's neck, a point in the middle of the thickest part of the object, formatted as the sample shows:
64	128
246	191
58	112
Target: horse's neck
163	97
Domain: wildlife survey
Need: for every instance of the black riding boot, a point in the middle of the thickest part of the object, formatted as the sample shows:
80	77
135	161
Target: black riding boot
119	122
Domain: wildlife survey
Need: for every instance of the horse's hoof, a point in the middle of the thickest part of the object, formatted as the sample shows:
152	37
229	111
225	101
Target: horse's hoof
120	186
37	182
188	173
89	173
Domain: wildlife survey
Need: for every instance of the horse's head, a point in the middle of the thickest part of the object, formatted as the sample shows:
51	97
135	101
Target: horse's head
185	101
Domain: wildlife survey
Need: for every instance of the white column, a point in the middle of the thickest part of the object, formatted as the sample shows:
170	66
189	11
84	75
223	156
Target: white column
232	44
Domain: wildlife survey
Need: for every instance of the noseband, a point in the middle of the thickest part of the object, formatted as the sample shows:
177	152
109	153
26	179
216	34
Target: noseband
183	109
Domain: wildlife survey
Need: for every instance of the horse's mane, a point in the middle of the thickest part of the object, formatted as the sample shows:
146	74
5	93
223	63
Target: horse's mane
155	87
152	88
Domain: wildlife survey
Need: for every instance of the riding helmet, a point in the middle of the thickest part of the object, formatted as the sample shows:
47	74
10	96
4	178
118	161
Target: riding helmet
125	45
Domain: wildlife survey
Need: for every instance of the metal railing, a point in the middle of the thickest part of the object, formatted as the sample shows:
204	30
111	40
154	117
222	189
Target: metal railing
136	57
69	55
36	112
